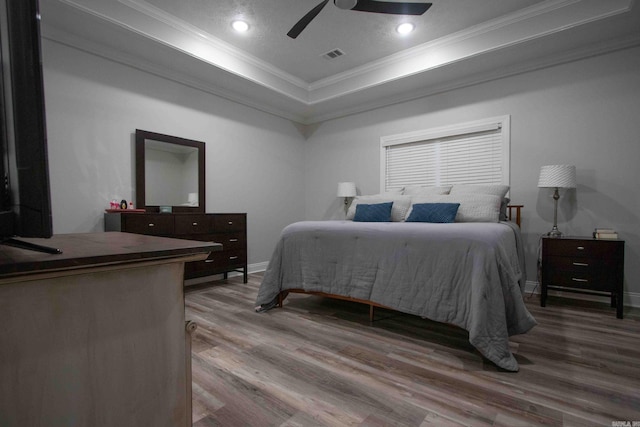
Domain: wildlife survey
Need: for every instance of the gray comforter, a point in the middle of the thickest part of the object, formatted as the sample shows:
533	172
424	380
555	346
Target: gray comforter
465	274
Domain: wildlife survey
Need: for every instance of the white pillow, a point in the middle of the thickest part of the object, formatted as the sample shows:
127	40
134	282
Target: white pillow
473	207
396	191
398	210
425	190
493	189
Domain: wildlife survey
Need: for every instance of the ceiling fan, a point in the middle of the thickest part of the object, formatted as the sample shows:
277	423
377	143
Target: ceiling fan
405	8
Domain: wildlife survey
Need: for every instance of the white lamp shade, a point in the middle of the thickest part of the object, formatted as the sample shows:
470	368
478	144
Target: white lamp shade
346	189
557	176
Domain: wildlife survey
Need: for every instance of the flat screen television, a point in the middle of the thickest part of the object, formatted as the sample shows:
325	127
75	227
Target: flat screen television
25	201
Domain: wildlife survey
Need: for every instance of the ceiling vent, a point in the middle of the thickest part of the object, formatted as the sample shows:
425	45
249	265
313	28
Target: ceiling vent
336	53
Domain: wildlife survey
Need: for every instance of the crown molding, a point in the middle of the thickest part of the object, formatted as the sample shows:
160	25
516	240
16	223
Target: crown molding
503	31
136	62
395	79
459	36
193	31
520	27
155	25
560	58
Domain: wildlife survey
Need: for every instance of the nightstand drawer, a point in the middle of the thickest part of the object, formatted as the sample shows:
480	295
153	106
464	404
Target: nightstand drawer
582	248
580	264
598	281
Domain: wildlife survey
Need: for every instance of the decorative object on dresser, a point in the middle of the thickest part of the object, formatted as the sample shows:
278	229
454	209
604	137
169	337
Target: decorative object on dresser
557	176
583	265
230	229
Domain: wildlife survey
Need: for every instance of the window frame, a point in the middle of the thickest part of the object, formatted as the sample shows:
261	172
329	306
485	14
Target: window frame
425	135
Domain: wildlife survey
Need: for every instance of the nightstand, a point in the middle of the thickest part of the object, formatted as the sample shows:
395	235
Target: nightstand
583	265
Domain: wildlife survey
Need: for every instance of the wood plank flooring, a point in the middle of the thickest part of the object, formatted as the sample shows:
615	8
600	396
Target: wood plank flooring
318	362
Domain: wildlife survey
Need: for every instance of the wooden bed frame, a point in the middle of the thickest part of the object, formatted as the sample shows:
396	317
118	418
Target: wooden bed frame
518	215
282	295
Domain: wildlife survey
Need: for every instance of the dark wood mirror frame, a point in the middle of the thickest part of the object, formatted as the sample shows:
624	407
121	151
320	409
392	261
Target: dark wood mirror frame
141	137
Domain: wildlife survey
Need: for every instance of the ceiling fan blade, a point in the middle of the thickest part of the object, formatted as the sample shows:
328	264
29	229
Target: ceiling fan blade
391	7
302	24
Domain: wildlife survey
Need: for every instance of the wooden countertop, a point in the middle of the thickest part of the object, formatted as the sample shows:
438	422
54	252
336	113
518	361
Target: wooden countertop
97	249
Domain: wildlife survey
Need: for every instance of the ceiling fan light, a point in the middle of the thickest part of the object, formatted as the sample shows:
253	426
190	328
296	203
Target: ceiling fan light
240	26
345	4
405	28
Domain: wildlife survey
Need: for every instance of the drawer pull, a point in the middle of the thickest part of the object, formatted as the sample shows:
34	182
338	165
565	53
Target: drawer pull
581	264
579	280
208	260
230	222
580	248
233	257
195	224
151	224
233	240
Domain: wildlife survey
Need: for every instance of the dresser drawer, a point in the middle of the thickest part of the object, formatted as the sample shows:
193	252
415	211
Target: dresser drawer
582	248
232	258
231	241
218	262
192	224
229	222
154	224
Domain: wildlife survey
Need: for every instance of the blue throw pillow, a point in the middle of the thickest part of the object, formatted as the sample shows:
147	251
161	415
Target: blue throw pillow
379	212
433	212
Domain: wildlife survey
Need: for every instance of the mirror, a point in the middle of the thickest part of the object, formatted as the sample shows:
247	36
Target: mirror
169	172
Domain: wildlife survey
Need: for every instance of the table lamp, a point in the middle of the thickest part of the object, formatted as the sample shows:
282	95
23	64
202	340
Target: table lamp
346	190
557	176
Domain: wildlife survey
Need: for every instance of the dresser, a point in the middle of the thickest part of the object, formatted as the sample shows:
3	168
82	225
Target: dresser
229	229
583	265
96	336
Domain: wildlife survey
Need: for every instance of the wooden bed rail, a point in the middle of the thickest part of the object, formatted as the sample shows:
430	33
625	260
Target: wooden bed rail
282	295
518	209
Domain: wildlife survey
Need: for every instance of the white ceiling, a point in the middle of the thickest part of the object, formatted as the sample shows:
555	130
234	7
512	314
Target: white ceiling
456	43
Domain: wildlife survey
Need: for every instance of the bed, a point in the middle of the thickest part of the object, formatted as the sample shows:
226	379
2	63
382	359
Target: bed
469	274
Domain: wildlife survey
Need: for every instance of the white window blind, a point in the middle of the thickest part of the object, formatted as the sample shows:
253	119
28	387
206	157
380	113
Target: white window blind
471	153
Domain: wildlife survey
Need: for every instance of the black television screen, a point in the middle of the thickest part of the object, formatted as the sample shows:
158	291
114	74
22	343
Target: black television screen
25	201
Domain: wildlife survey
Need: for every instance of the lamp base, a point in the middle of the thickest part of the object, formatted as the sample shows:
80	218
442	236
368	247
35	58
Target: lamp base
554	230
555	233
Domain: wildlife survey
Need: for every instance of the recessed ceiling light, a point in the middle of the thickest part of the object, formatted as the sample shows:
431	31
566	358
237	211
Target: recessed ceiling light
240	26
405	28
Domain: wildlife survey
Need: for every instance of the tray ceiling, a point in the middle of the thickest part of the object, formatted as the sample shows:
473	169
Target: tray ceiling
456	43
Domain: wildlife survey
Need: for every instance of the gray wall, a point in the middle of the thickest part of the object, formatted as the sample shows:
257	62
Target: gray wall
254	161
585	113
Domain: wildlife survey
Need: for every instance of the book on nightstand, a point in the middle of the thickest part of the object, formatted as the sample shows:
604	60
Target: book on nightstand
605	233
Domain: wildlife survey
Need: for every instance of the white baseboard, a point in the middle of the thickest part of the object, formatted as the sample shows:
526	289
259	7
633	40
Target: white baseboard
258	267
631	299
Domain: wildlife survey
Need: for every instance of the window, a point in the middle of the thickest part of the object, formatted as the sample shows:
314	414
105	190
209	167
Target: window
469	153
